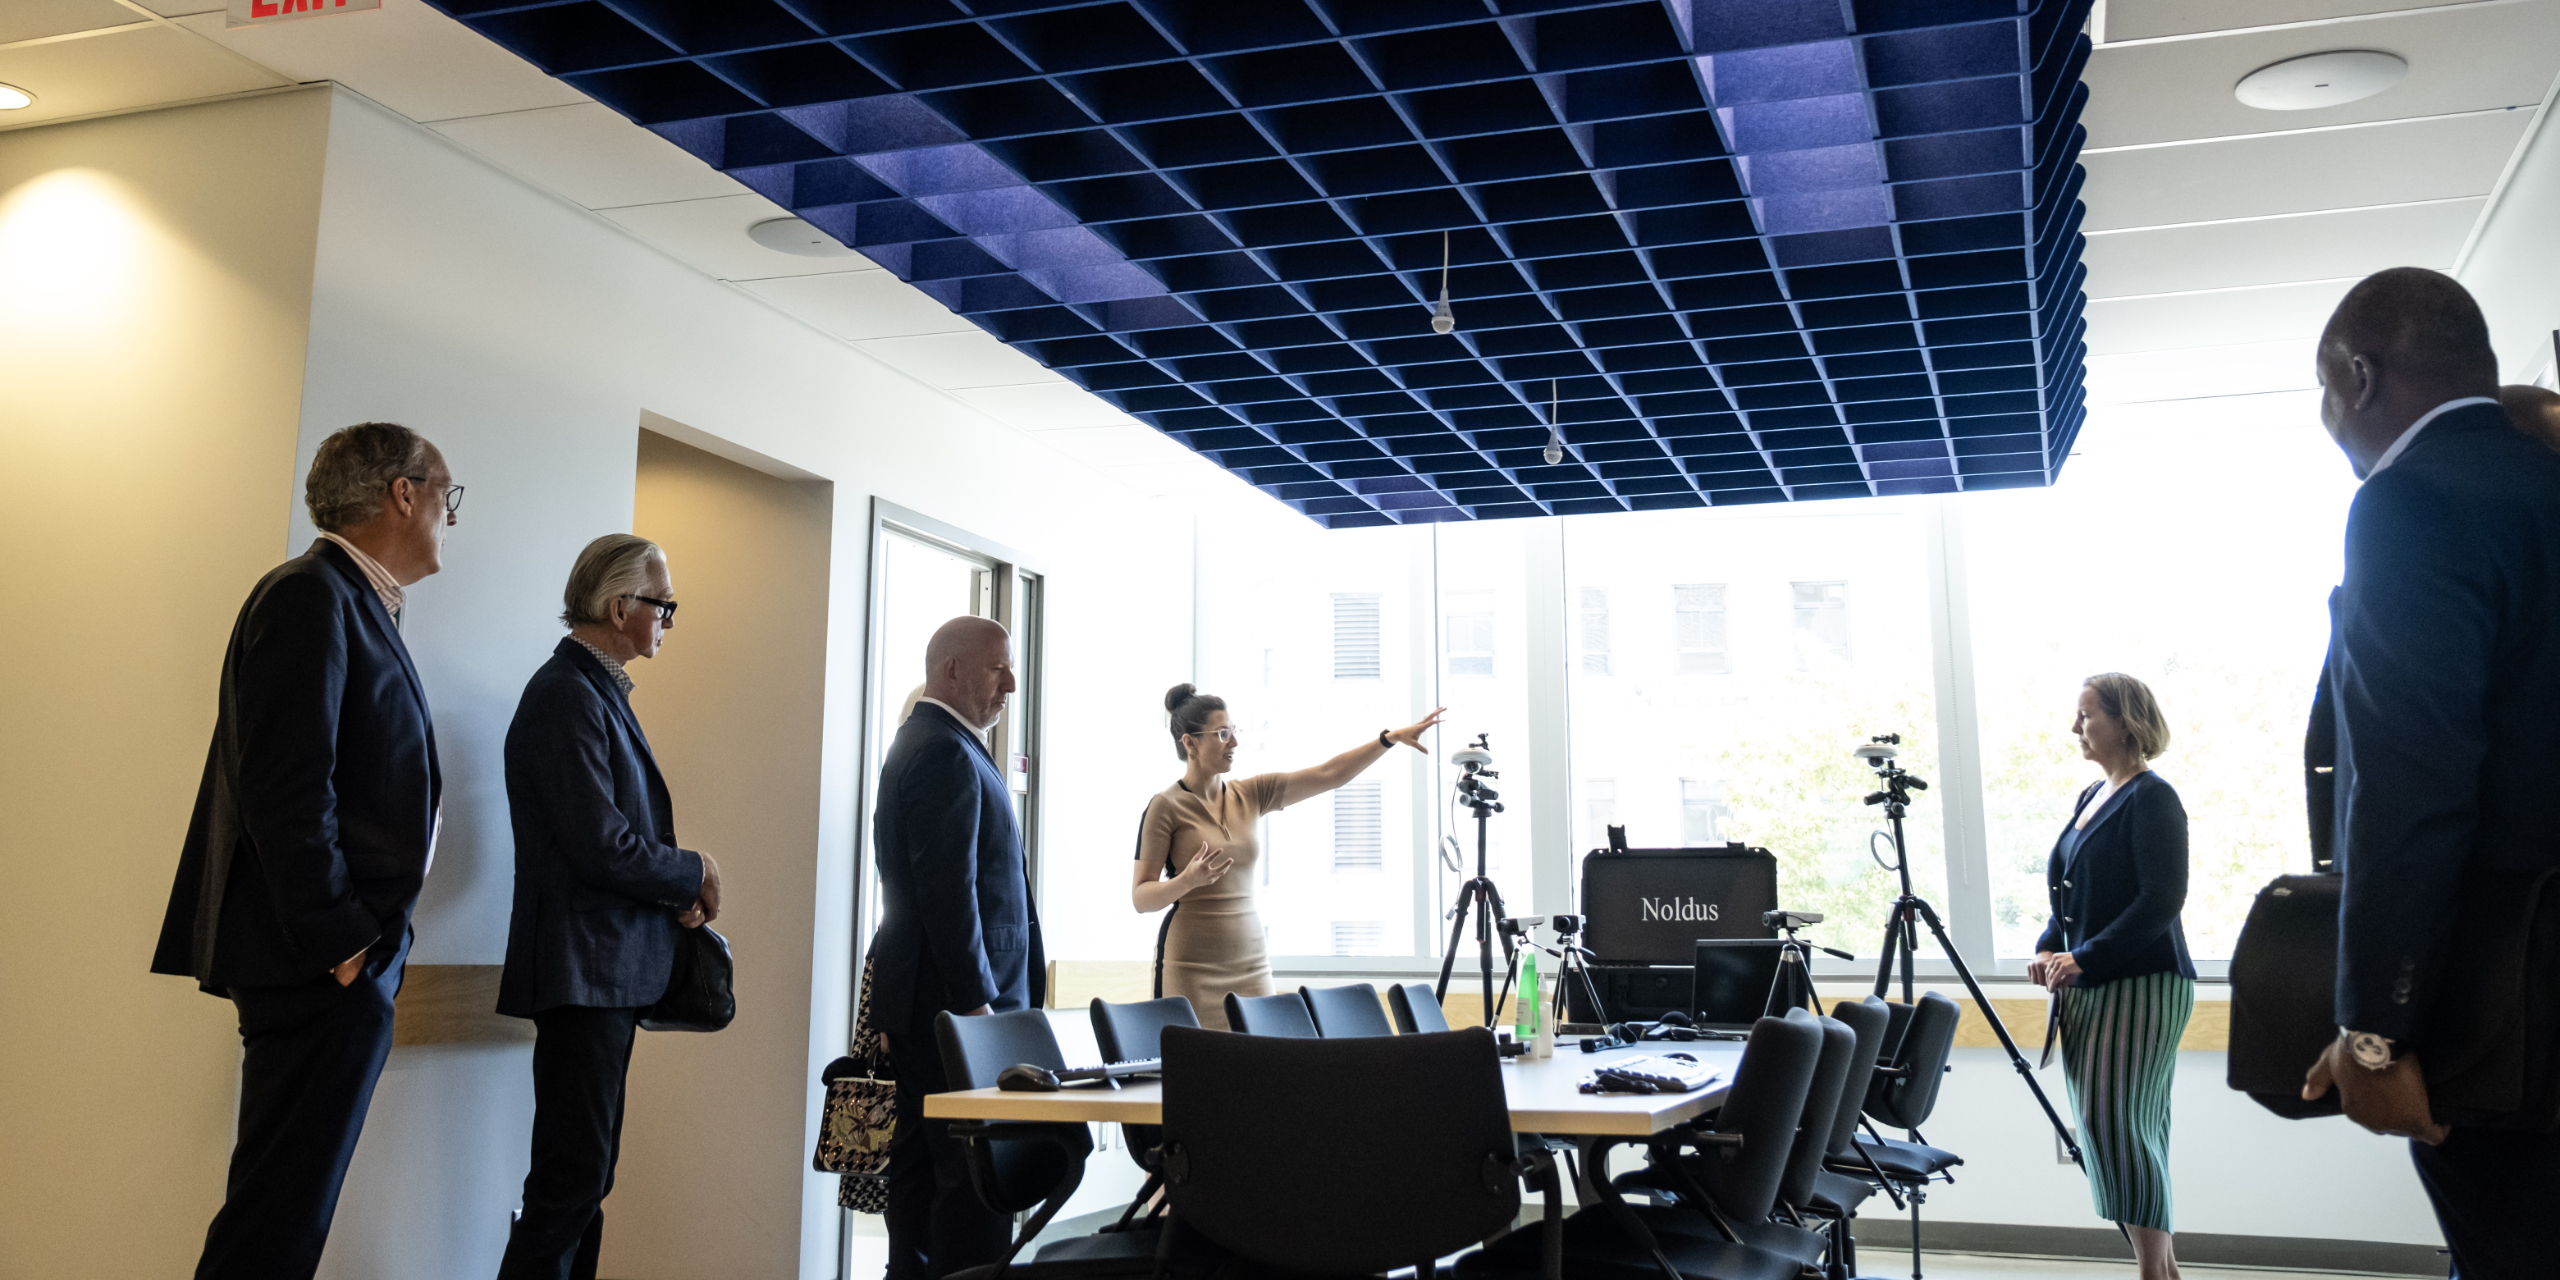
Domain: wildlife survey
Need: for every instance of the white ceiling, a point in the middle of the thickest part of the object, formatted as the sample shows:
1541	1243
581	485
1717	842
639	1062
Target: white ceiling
2219	235
86	57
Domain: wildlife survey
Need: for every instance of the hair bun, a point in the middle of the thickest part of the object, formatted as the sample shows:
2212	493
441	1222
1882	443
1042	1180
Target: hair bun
1176	696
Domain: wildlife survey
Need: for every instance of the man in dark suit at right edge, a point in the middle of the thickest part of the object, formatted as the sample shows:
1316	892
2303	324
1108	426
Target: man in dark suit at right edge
958	933
2444	675
312	835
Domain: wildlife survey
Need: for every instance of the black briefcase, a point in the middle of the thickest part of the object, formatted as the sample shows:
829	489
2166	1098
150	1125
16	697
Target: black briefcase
701	991
2492	1053
2284	982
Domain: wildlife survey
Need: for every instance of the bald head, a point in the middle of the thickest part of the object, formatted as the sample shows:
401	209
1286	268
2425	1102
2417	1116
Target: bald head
968	667
2400	343
2536	412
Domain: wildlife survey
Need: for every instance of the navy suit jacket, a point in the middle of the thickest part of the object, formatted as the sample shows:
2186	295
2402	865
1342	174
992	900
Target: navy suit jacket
2116	898
2445	673
957	927
317	811
599	878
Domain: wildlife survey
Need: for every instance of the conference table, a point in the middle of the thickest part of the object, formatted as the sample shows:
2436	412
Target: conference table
1543	1093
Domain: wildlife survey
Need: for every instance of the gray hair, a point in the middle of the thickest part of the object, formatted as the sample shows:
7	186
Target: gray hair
355	467
613	566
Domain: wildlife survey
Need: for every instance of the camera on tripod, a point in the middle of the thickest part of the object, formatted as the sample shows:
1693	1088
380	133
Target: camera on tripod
1475	764
1477	895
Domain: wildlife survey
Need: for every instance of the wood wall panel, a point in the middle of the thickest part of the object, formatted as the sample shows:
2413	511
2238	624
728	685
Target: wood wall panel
453	1004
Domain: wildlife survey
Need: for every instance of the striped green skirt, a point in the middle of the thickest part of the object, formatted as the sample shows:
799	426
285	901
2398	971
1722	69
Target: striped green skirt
2120	1048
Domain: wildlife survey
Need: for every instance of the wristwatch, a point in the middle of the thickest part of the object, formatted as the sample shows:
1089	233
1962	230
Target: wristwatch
2371	1052
1383	741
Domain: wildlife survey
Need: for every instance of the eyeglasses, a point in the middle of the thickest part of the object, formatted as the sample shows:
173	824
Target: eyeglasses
1227	735
452	494
666	608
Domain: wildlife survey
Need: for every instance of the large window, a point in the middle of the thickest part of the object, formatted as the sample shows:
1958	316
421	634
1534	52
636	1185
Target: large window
1483	587
1703	677
1698	629
1317	640
1764	757
2210	584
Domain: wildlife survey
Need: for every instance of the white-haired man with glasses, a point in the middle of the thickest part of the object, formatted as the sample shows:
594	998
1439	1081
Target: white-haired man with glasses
312	834
601	892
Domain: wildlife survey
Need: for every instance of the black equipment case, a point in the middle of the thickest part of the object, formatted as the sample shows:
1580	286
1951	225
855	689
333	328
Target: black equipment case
1646	909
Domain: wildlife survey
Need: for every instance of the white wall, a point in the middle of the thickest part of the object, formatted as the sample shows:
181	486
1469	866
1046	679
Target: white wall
2514	270
527	337
2235	1168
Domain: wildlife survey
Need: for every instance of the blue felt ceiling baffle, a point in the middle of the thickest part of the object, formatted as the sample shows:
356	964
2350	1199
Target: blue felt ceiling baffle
1756	250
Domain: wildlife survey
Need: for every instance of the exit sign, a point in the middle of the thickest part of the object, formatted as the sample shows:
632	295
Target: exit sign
255	13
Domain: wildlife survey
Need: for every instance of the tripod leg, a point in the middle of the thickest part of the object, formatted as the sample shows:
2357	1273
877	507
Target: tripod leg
2016	1059
1885	951
1449	958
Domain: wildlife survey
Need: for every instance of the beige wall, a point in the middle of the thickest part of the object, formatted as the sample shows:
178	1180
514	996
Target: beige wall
155	281
182	319
732	706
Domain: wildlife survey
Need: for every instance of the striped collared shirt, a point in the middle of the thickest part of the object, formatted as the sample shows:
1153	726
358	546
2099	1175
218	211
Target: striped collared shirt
621	678
384	585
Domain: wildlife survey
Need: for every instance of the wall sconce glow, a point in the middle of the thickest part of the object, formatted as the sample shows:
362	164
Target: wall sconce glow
2330	79
13	98
71	248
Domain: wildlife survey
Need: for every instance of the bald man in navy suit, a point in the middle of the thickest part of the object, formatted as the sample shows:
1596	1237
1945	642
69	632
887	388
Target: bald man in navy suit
958	933
2443	682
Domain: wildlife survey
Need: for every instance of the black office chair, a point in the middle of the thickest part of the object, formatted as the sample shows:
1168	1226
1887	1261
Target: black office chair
1416	1009
1129	1033
1901	1096
1343	1012
1270	1016
1013	1165
1836	1196
1678	1176
1338	1157
1746	1150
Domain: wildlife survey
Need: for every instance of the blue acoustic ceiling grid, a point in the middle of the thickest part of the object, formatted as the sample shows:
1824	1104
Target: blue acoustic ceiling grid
1733	250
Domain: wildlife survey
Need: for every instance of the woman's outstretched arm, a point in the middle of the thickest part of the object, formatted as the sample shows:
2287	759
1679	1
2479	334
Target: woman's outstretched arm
1307	783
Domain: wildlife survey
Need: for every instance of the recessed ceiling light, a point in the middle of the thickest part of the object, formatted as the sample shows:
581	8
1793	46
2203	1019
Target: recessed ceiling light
2329	79
796	236
13	98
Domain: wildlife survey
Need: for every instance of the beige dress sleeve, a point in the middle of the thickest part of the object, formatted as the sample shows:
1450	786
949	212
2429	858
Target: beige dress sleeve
1263	792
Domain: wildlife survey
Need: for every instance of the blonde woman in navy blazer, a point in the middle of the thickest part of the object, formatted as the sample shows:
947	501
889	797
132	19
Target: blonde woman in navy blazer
2114	952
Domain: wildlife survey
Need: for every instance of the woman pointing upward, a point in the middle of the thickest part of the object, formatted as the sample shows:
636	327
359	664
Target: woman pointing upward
1201	828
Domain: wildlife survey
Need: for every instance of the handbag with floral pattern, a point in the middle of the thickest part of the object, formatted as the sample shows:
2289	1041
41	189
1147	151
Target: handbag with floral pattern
861	1114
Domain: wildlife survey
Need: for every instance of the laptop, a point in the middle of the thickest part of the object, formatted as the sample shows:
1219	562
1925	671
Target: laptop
1736	982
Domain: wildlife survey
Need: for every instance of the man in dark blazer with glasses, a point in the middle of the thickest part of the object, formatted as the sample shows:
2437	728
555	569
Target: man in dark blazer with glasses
958	933
313	830
602	892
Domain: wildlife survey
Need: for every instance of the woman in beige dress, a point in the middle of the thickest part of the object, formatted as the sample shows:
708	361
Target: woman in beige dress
1202	828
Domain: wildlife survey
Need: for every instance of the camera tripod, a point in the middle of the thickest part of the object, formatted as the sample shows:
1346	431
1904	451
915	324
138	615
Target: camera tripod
1793	987
1909	911
1478	895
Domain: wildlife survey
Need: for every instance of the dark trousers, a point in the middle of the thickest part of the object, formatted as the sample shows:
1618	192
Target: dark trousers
311	1056
581	1057
2493	1192
937	1224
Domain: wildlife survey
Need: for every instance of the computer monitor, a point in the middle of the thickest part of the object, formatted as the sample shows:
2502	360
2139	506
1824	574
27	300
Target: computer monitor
1735	977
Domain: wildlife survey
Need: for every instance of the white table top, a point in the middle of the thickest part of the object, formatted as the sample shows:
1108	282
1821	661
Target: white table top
1543	1095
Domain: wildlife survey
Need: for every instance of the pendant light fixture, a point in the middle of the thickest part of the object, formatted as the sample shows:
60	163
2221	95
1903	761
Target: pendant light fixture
1555	433
1443	321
